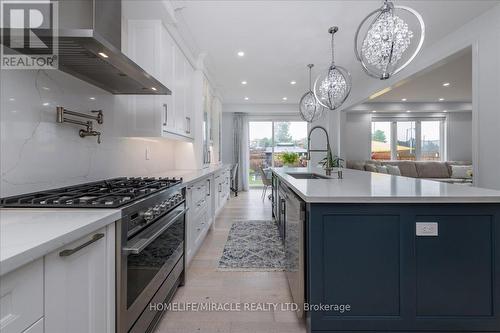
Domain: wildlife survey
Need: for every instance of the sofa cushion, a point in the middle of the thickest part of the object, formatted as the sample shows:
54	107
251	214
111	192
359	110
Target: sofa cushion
371	167
393	170
450	163
461	171
382	169
407	168
432	170
356	165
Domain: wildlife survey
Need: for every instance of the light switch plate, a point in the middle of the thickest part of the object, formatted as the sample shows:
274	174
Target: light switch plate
427	229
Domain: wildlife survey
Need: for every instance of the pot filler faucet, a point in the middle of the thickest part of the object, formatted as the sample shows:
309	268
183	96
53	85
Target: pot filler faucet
327	150
89	127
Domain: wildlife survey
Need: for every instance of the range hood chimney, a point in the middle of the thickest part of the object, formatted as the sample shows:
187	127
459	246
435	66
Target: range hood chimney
90	48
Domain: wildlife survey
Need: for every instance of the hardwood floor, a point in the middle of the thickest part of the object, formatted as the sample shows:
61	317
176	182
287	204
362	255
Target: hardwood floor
205	284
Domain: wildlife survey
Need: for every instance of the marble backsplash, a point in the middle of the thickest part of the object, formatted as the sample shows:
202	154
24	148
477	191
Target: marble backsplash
36	153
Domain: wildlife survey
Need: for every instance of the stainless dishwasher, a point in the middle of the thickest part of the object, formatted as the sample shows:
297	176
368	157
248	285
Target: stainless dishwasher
294	246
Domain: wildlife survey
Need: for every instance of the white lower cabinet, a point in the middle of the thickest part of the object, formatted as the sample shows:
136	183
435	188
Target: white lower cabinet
36	327
204	200
21	298
79	285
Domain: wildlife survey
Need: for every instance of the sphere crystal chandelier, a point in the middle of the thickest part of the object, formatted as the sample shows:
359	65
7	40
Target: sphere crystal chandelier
389	40
310	109
333	86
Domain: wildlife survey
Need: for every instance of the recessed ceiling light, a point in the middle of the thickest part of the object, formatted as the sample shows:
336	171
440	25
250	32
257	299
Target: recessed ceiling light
445	111
441	99
284	98
293	82
446	84
374	111
104	55
246	98
243	82
154	89
92	98
46	104
403	99
241	53
408	111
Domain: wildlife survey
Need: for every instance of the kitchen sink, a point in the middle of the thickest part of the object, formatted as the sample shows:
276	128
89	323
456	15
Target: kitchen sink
297	175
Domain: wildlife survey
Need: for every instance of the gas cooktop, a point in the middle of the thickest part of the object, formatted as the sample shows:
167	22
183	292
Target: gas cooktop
109	193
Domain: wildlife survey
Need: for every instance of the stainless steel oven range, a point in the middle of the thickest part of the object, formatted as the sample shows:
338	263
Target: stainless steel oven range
150	258
149	239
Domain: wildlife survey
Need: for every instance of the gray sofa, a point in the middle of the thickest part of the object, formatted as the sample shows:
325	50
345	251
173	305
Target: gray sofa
432	170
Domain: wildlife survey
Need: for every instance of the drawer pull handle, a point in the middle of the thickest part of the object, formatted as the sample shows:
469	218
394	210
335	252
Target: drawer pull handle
67	253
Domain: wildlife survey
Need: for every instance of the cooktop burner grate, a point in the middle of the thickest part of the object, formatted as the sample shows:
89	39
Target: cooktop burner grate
110	193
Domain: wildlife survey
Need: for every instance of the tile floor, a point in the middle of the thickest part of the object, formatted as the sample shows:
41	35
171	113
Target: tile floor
205	284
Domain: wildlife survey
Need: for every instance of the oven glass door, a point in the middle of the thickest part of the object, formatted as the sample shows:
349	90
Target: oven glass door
153	254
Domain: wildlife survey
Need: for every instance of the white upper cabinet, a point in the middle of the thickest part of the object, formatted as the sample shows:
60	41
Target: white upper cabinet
144	49
179	91
151	46
168	47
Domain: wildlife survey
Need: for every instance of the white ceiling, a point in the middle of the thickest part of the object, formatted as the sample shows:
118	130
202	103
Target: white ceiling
280	38
427	86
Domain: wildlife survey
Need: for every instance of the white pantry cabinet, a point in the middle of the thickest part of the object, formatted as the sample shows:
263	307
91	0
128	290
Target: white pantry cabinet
79	285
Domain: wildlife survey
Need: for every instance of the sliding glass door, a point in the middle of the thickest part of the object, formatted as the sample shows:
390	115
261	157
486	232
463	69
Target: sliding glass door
275	143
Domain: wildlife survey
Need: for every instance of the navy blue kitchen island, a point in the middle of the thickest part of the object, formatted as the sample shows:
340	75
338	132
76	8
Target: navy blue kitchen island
394	254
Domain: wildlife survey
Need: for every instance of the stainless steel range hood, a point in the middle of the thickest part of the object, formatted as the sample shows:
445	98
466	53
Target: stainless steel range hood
90	48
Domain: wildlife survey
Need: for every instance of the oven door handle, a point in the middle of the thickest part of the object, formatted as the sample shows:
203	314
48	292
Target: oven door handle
142	243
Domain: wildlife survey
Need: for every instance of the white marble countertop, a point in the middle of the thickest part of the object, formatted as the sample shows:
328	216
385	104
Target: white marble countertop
366	187
28	234
191	176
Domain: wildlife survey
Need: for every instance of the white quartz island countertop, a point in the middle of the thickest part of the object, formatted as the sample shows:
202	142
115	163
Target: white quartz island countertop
366	187
28	234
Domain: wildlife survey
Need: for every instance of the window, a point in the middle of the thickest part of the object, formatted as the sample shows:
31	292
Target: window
406	145
290	137
408	139
261	141
381	140
431	141
270	141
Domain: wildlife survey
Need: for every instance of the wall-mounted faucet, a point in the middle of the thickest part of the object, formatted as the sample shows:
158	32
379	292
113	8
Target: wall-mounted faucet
89	130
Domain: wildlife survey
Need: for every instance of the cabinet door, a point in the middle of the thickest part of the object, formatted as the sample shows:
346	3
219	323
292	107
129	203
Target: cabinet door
179	91
455	271
144	48
354	260
189	99
77	285
21	297
167	78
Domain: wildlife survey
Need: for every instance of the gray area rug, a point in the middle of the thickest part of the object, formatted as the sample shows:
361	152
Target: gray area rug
253	246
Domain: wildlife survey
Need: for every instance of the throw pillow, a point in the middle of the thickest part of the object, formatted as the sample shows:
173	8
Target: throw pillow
461	171
371	167
382	169
393	170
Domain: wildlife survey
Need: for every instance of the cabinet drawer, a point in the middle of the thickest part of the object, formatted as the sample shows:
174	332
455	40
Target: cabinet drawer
21	298
199	192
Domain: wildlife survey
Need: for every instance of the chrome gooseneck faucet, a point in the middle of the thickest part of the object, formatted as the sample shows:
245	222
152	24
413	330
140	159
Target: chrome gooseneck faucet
328	149
309	150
